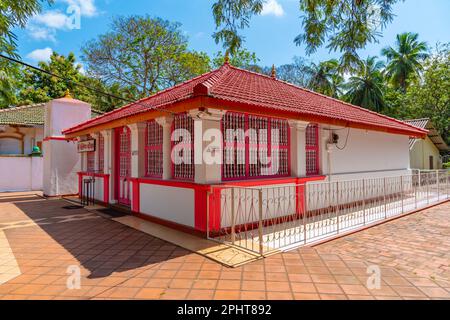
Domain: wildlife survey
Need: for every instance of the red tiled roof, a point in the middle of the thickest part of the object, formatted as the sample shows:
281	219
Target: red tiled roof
232	84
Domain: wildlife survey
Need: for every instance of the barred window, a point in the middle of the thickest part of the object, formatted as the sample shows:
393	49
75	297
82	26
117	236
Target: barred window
233	127
183	147
101	152
312	149
154	149
90	161
254	146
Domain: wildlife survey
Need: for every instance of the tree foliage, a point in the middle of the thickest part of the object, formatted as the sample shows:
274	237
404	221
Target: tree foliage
405	60
144	54
230	17
15	14
325	78
345	26
241	58
365	87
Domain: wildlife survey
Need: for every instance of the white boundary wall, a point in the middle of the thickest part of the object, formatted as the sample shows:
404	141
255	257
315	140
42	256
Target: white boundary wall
21	173
169	203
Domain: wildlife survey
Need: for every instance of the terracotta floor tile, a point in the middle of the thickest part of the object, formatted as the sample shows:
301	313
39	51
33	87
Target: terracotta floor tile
253	285
275	295
435	292
175	294
228	285
205	284
253	295
149	293
354	289
323	278
306	296
227	294
326	288
196	294
124	293
181	284
303	287
282	286
333	297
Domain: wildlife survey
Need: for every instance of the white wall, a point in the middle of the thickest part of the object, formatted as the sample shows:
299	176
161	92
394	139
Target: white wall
367	154
168	203
98	187
21	173
61	159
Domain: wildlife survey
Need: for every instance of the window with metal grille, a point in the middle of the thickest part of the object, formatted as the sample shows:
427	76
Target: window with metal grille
254	146
312	149
90	163
154	149
183	147
101	152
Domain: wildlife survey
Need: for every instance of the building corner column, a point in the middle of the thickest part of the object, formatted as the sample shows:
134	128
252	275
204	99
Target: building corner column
166	124
207	147
298	147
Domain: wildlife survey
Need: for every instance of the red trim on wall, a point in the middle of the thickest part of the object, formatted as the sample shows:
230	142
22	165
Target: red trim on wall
57	138
105	178
135	204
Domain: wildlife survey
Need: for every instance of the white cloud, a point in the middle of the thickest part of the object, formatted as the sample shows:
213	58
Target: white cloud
52	19
40	54
87	7
41	33
43	26
272	7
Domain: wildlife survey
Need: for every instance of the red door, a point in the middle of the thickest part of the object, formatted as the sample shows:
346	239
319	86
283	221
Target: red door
123	168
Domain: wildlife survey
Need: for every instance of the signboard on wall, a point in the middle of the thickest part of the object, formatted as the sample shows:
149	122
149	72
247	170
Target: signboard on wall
86	146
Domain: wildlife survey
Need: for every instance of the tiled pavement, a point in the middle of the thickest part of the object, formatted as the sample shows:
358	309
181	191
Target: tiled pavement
118	262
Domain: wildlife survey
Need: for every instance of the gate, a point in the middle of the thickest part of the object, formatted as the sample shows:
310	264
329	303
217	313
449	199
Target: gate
123	168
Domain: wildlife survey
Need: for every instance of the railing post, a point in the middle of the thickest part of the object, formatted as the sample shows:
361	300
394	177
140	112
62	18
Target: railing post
428	187
437	184
401	193
415	193
233	221
305	200
364	200
337	207
208	193
260	225
384	197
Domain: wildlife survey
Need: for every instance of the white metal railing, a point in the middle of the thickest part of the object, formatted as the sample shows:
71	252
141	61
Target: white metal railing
271	218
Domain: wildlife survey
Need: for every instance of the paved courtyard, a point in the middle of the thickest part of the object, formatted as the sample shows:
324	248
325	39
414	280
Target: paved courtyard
41	240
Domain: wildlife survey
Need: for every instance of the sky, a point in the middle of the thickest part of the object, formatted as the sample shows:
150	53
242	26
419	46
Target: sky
270	35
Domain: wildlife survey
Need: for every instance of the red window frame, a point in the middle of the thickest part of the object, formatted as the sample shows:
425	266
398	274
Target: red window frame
90	159
184	171
252	146
312	149
101	153
153	149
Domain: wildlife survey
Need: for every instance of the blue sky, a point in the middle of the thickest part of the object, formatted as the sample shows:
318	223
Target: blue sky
270	35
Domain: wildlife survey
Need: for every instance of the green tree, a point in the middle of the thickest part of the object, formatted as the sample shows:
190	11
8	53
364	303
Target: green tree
295	72
430	97
325	78
144	54
10	82
41	87
365	88
231	16
38	87
15	14
241	58
405	60
344	26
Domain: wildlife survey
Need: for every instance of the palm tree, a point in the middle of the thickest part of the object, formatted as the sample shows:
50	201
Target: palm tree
365	87
325	78
404	61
